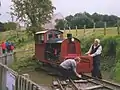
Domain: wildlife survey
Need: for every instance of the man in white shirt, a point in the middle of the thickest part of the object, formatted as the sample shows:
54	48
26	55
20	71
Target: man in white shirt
95	51
68	68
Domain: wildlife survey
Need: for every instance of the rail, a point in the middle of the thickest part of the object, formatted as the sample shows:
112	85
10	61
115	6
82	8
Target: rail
11	80
85	83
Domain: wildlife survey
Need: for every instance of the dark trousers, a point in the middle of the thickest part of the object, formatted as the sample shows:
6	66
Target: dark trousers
96	68
66	74
3	51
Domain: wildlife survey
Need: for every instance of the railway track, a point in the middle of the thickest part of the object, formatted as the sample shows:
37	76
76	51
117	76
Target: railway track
85	83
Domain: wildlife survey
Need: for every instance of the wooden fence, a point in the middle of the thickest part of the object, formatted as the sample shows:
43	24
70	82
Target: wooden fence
11	80
99	31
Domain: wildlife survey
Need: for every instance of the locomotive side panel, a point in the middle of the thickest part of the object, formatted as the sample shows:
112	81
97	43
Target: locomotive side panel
39	51
86	64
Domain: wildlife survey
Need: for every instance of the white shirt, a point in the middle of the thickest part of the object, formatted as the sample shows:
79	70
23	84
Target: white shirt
98	51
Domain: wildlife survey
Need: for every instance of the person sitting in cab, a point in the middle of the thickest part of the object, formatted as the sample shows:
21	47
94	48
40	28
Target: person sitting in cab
68	68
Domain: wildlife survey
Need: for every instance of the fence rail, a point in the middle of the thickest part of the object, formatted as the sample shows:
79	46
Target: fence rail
11	80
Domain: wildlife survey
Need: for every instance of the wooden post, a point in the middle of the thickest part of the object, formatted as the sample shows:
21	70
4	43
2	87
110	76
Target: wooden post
16	83
118	28
3	78
105	28
14	56
94	27
64	29
69	29
76	30
5	59
84	29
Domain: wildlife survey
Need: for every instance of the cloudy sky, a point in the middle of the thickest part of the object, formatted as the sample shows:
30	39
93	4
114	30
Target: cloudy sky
66	7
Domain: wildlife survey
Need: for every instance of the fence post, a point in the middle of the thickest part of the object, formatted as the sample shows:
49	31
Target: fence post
64	29
4	72
16	82
94	27
6	59
1	77
69	29
104	28
84	29
14	56
76	30
118	27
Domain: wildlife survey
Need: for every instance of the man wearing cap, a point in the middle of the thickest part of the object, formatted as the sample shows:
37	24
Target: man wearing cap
68	68
95	51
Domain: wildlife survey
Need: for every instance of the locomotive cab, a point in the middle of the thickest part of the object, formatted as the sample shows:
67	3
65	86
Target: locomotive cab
47	45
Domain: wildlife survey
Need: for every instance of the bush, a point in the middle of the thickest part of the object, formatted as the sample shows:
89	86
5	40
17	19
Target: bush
109	53
25	63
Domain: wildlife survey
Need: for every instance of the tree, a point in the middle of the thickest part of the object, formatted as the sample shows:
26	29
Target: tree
33	12
80	19
61	24
69	20
1	27
10	26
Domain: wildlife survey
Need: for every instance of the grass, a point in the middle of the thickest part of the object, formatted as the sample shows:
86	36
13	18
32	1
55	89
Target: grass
28	44
22	42
88	32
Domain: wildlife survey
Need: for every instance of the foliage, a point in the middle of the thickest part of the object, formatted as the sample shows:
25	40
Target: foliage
81	19
25	63
61	24
110	60
35	13
109	46
10	26
1	27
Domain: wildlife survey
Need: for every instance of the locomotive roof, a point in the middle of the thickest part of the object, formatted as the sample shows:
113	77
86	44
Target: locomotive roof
45	31
57	40
41	32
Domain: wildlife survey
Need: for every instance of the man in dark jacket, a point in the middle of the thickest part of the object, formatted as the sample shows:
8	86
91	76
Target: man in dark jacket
95	51
68	68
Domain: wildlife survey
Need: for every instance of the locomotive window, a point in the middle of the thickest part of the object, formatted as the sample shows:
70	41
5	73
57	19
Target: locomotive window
49	35
40	38
57	34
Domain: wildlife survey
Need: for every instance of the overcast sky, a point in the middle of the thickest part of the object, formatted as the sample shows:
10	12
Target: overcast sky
66	7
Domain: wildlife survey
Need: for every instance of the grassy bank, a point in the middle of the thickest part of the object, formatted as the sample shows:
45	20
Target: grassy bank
24	48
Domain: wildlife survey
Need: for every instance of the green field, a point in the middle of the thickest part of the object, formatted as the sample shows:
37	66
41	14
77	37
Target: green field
15	36
88	32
